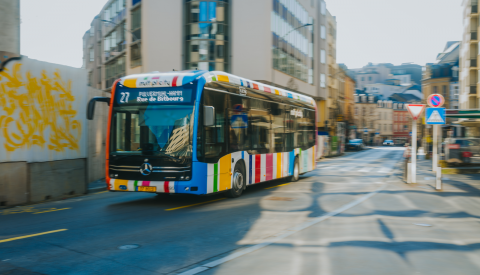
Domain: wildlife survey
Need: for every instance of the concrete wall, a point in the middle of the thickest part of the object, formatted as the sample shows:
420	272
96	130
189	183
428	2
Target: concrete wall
56	179
10	26
97	133
13	183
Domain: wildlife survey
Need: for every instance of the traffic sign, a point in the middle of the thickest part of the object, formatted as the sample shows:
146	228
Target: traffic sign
365	130
415	110
239	121
410	133
435	116
435	100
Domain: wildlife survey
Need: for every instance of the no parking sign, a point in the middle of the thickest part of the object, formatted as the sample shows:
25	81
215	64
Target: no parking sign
435	100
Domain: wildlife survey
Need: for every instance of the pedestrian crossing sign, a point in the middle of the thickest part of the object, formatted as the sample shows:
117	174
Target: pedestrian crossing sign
435	116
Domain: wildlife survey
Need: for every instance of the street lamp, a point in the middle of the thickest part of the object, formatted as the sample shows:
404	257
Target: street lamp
111	22
281	38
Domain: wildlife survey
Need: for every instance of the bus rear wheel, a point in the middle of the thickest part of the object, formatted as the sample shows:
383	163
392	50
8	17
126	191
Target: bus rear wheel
296	171
238	181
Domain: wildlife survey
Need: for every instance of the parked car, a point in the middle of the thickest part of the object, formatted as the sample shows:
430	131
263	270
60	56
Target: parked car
388	142
355	144
462	149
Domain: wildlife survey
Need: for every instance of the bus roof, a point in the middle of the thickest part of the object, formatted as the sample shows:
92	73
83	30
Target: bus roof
179	78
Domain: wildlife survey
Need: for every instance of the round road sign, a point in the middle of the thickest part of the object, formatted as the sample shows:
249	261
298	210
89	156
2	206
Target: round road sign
435	100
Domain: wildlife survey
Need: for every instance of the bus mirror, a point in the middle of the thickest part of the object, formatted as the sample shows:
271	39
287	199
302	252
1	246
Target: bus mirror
208	115
91	105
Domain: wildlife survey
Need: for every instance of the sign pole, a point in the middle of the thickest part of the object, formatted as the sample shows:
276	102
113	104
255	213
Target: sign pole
414	152
435	148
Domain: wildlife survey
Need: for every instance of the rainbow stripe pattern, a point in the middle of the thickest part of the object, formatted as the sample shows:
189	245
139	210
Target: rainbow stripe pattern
218	177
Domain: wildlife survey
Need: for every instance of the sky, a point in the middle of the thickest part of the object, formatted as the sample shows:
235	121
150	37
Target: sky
377	31
394	31
52	30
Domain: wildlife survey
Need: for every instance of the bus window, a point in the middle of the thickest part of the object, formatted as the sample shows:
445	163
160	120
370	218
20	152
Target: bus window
214	136
261	123
306	129
290	129
238	124
278	127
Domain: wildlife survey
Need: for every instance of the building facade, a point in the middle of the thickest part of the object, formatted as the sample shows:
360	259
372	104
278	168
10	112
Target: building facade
10	30
365	115
438	79
383	124
402	124
469	91
288	43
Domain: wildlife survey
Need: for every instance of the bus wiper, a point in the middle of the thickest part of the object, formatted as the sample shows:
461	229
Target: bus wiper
167	155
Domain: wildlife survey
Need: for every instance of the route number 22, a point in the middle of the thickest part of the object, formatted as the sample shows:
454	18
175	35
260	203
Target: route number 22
124	98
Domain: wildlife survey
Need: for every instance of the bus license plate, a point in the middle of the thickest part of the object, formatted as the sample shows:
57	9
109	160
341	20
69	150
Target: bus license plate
147	188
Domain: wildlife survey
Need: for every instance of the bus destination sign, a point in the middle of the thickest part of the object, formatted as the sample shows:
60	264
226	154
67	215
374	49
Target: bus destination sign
167	95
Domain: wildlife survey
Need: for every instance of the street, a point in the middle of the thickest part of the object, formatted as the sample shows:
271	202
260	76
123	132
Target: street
352	215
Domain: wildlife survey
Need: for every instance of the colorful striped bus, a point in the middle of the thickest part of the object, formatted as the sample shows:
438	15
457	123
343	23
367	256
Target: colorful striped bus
199	132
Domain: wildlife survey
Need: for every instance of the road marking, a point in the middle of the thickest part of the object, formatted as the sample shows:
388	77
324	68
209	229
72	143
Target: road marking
33	235
278	185
193	204
100	192
279	236
53	210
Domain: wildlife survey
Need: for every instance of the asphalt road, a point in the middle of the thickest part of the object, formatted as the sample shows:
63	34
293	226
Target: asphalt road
352	215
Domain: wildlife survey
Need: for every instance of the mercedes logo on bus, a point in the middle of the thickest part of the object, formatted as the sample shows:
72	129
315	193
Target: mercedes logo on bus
146	169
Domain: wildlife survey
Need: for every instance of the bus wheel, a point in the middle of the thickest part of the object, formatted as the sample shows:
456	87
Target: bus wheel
238	182
296	171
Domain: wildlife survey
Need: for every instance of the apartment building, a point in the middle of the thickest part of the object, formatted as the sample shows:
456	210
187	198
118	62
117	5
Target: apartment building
383	124
469	91
365	115
288	43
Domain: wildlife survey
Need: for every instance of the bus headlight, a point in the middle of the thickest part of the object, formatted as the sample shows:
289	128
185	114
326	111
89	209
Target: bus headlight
187	178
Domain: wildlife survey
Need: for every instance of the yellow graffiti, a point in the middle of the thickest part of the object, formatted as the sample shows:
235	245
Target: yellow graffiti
40	116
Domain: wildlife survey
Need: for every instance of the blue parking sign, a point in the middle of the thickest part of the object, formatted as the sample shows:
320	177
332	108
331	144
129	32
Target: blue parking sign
435	116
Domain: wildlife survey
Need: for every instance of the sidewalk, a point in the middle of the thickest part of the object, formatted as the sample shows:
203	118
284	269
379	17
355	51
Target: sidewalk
97	186
450	183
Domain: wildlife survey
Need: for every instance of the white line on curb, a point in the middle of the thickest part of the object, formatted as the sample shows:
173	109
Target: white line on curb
280	235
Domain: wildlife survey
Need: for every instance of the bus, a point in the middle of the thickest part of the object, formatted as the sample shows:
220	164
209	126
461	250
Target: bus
201	132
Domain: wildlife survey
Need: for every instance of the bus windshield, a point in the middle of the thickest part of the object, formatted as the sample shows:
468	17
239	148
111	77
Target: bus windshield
153	130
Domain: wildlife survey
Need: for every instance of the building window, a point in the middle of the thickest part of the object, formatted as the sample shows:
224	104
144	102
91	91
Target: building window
136	25
292	44
444	90
323	7
207	36
356	111
363	78
323	57
92	30
136	55
114	42
323	81
114	69
92	54
323	32
369	78
435	90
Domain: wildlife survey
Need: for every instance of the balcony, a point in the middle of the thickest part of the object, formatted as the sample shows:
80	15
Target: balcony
473	89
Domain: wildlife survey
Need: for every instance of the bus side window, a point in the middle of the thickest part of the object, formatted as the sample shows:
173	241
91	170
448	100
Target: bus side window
238	122
290	129
278	127
214	136
261	125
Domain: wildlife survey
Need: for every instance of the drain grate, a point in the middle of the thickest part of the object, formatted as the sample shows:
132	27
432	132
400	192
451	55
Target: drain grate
129	246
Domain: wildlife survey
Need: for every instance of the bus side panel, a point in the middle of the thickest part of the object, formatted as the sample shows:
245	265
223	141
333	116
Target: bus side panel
200	178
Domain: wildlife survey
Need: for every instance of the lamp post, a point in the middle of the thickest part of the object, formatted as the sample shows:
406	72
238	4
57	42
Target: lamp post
111	22
281	38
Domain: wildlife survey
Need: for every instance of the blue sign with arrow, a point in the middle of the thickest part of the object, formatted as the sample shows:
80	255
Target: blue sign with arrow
435	116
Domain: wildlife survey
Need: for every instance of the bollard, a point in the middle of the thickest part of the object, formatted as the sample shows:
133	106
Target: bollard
438	181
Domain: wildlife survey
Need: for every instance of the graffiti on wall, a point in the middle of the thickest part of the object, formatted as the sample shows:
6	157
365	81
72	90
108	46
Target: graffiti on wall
39	112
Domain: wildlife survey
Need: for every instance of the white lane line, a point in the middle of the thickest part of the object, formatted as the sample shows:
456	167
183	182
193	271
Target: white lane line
281	235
